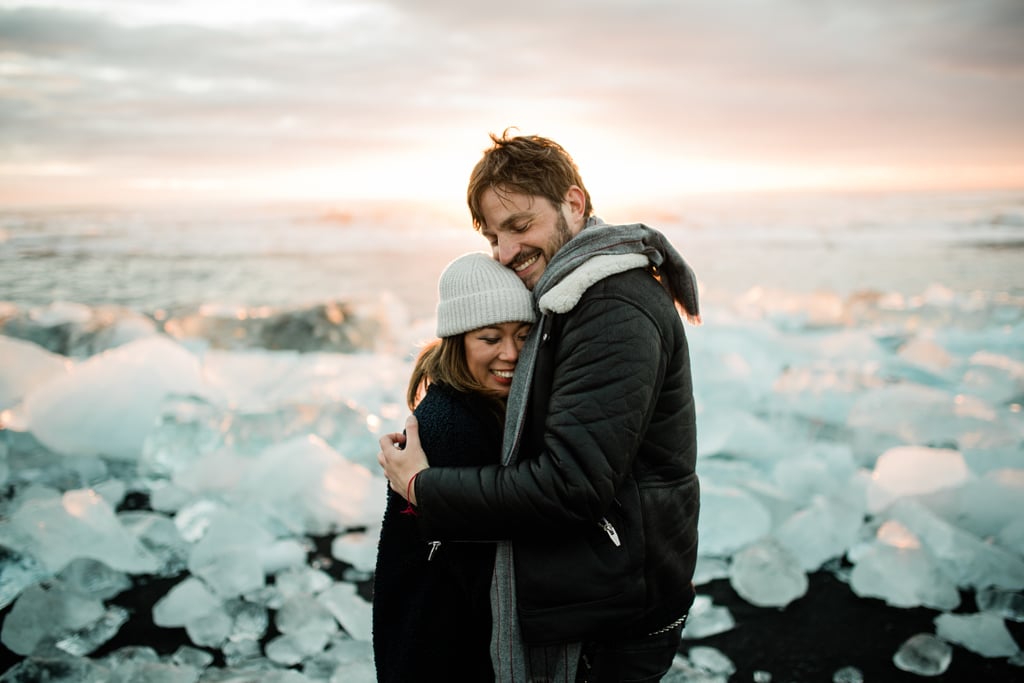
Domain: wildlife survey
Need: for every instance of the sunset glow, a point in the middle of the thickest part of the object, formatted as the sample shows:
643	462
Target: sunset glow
105	102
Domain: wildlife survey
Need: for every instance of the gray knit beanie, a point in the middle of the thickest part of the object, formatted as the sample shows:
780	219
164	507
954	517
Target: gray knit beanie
475	291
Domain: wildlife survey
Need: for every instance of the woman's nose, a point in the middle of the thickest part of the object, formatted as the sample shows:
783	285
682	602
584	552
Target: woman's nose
509	350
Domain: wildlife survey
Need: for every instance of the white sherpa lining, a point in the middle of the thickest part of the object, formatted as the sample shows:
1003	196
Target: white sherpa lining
566	294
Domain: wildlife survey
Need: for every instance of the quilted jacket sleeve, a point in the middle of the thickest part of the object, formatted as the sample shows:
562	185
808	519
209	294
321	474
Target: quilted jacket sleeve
599	374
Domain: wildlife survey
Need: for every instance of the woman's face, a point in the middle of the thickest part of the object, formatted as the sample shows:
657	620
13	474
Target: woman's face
492	353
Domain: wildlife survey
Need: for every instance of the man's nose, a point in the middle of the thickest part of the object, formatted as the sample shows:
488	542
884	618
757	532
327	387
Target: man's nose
506	250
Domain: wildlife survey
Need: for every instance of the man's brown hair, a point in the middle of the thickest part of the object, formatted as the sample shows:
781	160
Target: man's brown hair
528	164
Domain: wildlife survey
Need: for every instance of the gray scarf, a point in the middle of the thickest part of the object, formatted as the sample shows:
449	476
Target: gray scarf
596	252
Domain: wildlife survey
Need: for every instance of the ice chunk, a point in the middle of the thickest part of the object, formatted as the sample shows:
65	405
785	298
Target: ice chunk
18	571
159	535
187	429
58	528
188	600
349	608
344	659
25	366
848	674
357	549
995	377
306	626
305	580
228	556
966	559
730	519
711	660
909	413
707	619
87	639
740	434
983	506
823	530
710	568
87	576
194	658
143	664
291	648
748	357
107	404
1008	604
44	614
245	654
821	391
984	633
248	620
924	654
194	519
923	351
312	488
779	503
303	613
897	570
210	629
74	329
822	469
282	554
914	470
683	670
766	574
57	668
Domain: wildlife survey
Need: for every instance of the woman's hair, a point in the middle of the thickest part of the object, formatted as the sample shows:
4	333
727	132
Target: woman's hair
443	361
528	164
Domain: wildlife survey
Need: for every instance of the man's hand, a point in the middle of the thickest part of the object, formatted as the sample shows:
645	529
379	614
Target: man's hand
402	464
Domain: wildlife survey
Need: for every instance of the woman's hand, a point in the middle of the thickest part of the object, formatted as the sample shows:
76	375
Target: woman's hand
402	464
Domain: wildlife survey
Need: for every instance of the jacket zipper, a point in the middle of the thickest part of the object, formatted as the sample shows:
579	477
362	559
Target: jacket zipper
434	545
610	530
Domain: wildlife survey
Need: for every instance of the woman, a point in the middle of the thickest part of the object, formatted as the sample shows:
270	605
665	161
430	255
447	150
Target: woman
431	604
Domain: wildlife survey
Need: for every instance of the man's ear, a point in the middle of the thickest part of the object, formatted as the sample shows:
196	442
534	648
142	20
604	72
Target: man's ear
576	200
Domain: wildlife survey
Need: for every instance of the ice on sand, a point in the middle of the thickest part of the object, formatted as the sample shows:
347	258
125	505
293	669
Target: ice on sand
984	633
44	614
895	568
730	519
924	654
914	470
188	600
766	574
707	619
58	527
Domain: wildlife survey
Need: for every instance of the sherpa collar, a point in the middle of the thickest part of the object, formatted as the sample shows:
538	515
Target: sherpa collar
599	239
561	298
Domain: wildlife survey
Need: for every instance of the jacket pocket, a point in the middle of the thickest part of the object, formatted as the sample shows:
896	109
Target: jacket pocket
583	583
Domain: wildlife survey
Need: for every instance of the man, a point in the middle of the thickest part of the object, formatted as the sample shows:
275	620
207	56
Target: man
598	496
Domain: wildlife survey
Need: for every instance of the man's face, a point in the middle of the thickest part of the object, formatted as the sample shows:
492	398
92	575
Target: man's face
525	231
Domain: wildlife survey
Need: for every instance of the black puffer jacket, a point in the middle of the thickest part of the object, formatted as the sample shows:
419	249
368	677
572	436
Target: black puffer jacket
602	505
432	618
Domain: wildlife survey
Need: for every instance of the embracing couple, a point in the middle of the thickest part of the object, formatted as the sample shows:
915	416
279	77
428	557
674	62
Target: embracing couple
542	513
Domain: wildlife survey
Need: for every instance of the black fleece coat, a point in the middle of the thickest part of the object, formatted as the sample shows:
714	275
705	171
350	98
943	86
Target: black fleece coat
432	618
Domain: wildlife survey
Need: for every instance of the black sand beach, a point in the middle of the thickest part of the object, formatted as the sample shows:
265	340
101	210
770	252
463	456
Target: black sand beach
831	628
806	642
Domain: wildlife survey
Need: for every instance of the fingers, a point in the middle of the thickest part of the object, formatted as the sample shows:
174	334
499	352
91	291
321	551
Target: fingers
412	433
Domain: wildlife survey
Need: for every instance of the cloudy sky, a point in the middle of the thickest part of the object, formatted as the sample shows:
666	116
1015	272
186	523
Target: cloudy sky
123	100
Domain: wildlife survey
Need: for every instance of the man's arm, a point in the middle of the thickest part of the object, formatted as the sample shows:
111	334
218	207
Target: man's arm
609	366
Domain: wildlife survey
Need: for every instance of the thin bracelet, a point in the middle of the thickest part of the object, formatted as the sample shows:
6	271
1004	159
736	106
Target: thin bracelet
409	508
